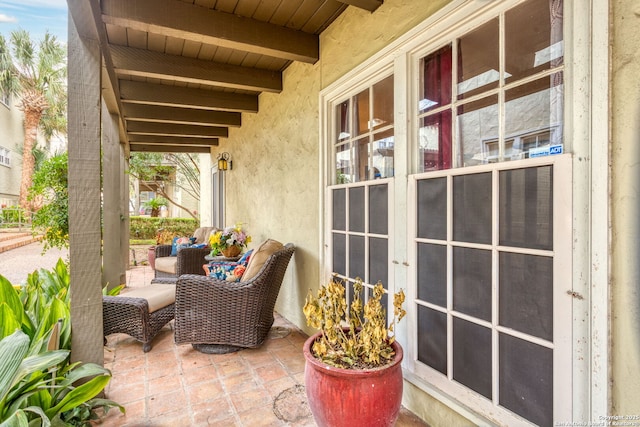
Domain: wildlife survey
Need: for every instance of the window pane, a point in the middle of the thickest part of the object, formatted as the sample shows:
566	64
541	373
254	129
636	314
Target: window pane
339	213
362	159
379	261
339	254
472	356
533	38
342	121
432	208
432	338
382	153
478	65
477	123
526	379
472	282
382	103
472	208
432	273
434	136
526	208
344	168
361	110
533	118
356	209
356	257
526	294
436	80
378	209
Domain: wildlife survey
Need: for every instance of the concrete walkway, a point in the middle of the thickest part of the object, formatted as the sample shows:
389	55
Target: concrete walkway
16	264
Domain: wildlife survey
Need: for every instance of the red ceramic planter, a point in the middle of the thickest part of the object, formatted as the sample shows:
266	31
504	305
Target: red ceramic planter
353	398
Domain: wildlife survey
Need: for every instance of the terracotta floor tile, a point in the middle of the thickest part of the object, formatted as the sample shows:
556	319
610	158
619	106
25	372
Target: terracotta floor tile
260	417
178	386
270	372
205	391
213	413
159	404
195	376
251	399
240	382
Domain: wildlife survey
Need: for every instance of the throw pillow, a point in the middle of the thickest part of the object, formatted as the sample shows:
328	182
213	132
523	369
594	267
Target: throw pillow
177	241
260	256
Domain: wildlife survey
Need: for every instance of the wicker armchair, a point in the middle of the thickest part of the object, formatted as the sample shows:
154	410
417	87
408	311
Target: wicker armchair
219	317
188	261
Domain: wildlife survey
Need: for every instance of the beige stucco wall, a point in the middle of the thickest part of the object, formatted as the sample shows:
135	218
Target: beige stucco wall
275	185
625	208
11	137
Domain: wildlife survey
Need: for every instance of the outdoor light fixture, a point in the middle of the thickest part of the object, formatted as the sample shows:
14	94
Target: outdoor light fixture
224	161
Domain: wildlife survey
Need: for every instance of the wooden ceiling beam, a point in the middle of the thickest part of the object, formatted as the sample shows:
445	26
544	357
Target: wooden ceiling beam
173	140
370	5
162	114
176	96
199	24
146	148
144	63
170	129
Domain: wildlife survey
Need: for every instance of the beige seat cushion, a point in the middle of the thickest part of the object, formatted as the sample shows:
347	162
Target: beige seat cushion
202	234
158	296
259	257
167	264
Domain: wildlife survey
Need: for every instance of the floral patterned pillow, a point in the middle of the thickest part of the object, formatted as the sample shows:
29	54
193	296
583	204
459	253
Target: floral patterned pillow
229	271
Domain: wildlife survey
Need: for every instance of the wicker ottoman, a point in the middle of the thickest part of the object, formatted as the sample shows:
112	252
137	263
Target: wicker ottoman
140	313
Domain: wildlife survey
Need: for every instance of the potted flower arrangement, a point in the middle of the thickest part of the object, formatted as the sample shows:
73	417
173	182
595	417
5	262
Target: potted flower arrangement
229	241
353	375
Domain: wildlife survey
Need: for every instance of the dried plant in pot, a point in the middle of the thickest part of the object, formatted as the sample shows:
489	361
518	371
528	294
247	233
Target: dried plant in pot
353	375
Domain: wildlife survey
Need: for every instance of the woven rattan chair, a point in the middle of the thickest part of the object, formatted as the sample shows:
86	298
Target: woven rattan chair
188	261
216	316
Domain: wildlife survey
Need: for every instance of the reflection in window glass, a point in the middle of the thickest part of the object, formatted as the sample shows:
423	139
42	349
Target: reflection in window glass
477	121
382	104
533	118
362	159
478	64
508	119
364	140
342	121
533	48
436	80
382	154
361	110
434	139
344	168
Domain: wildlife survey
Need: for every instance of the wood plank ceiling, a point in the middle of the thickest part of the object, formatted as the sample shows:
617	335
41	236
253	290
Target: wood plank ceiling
183	72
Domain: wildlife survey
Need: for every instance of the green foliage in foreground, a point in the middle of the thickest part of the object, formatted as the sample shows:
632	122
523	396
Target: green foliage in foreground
39	386
50	186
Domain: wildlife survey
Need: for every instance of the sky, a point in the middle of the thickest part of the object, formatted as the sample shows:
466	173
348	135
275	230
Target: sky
35	16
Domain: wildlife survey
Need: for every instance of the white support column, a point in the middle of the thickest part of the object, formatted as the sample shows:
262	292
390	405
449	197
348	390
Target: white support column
84	197
113	272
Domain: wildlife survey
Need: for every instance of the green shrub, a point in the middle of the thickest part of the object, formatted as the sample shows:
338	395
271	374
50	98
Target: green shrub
39	386
148	228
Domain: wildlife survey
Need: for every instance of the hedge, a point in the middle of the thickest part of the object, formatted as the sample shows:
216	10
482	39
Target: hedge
143	228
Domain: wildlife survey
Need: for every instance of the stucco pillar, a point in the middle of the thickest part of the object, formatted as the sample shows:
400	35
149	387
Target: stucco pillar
84	197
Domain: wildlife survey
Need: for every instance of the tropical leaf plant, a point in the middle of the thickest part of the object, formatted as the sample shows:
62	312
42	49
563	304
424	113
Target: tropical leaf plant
38	384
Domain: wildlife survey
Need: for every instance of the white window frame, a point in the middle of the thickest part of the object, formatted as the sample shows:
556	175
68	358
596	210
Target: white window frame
562	310
586	75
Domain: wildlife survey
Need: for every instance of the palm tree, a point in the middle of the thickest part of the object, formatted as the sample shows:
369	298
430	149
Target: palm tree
37	75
